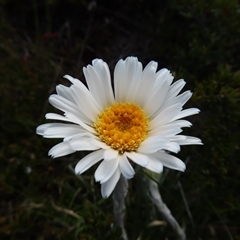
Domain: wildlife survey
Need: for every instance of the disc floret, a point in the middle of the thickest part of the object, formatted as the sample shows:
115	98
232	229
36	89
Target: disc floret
122	126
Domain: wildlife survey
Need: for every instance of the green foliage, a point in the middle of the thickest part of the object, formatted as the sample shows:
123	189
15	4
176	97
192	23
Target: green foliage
199	41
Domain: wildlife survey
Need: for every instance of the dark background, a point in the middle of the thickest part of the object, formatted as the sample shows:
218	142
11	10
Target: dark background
40	41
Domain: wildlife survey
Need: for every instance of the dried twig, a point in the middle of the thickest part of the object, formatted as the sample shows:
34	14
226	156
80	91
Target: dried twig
66	211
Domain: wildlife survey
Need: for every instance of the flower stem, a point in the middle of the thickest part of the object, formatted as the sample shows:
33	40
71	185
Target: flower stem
119	194
164	210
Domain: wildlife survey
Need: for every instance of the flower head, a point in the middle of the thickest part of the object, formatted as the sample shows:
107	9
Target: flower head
138	121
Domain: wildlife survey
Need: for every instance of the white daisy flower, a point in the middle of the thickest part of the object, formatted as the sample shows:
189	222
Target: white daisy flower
139	120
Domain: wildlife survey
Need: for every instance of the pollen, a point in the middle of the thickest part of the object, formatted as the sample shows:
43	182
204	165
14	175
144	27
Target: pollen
122	126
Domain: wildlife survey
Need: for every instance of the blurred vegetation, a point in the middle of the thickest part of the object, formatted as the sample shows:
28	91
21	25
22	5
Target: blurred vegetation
40	41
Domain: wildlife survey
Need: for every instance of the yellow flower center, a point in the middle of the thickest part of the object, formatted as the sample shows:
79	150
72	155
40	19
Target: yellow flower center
122	126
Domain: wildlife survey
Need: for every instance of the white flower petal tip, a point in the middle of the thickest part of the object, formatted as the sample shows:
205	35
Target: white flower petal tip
125	167
108	186
181	167
59	150
154	164
191	141
40	129
170	161
70	78
106	170
138	121
88	161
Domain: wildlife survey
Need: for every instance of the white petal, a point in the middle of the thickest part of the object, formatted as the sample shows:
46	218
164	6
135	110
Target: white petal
55	116
86	103
190	141
163	75
41	128
105	170
174	89
165	116
78	136
172	147
181	99
174	124
170	161
132	77
60	150
186	113
138	158
119	84
110	154
82	144
97	142
64	105
151	64
154	164
80	122
71	110
165	131
61	130
127	76
70	118
76	82
65	92
107	187
146	83
177	138
180	123
88	161
156	97
99	82
125	167
152	144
